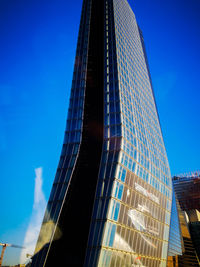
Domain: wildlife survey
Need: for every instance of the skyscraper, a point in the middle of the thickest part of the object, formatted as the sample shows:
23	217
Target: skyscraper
111	198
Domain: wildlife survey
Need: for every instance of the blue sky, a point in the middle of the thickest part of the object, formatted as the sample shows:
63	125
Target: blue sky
37	50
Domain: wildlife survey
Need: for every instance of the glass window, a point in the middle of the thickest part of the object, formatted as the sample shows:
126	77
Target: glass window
116	213
112	235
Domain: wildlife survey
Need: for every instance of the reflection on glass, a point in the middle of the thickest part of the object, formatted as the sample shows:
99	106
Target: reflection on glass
146	193
130	260
137	218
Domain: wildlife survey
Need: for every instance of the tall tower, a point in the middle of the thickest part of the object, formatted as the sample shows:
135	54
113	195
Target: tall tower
111	198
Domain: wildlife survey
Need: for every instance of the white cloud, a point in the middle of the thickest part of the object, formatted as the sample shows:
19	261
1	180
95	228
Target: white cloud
39	197
39	206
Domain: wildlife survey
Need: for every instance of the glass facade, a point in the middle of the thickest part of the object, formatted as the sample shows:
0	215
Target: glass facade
113	171
187	188
71	144
130	224
189	256
176	246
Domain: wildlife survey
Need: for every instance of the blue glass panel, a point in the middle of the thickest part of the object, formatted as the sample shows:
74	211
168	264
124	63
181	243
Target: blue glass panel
121	188
112	235
123	175
116	214
133	167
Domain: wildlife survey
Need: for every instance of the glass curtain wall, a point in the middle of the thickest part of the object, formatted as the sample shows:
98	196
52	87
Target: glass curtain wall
131	216
71	143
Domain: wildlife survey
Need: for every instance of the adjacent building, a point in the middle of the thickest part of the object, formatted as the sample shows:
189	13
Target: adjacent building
187	190
111	199
180	254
